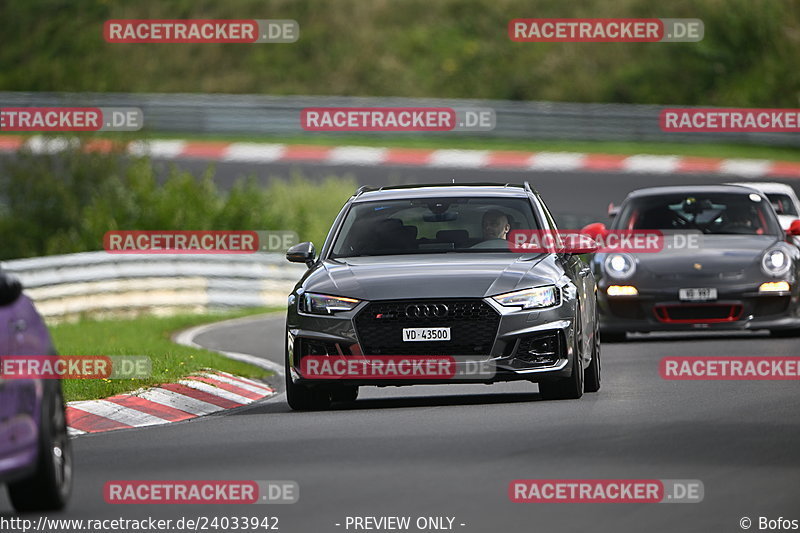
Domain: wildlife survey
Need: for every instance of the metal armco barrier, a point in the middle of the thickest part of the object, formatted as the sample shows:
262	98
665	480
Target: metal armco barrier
280	115
66	287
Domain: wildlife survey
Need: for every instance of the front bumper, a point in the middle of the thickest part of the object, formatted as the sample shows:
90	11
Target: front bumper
532	345
736	308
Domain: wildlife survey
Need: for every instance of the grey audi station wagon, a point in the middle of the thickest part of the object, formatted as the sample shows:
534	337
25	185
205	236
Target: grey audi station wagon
429	271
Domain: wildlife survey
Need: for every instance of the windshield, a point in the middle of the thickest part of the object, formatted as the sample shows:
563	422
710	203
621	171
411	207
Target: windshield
722	214
432	225
782	203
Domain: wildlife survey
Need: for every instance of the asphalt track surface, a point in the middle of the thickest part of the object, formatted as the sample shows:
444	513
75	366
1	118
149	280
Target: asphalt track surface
453	450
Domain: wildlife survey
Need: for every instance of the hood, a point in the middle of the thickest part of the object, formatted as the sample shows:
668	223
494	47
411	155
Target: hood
431	276
717	254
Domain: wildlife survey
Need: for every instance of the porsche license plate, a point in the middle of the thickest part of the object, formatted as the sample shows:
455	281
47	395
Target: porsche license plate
696	295
426	334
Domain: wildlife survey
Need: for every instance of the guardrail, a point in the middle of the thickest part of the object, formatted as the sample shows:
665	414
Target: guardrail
66	287
280	115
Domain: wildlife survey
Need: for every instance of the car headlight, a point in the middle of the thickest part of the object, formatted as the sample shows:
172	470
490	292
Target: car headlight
322	304
620	266
622	290
535	298
776	262
775	286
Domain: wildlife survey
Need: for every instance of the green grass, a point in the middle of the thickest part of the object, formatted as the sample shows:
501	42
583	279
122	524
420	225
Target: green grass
147	335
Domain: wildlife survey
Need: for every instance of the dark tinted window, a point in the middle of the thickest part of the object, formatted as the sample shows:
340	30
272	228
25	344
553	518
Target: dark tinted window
782	203
432	225
745	214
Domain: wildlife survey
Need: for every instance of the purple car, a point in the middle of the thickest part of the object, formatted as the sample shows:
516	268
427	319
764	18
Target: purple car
35	457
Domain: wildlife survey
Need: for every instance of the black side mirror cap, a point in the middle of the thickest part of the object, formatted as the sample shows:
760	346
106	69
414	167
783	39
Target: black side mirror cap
10	289
303	252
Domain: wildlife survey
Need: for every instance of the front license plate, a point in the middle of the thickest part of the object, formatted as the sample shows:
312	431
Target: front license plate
426	334
697	294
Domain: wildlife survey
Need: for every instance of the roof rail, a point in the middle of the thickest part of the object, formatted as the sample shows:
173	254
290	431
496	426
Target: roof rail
370	188
528	187
363	189
419	185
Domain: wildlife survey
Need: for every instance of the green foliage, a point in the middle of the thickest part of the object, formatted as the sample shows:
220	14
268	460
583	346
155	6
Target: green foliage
146	335
449	48
66	203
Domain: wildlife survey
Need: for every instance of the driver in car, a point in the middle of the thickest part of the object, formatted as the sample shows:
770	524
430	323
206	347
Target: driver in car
495	225
739	219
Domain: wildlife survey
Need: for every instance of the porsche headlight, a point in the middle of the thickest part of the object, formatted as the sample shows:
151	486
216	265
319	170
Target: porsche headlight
322	304
776	262
775	286
620	266
622	290
535	298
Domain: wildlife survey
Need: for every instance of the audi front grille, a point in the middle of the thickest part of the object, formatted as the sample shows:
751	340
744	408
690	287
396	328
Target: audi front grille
473	326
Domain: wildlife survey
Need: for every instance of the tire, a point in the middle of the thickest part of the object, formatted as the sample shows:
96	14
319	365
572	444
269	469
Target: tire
613	336
591	376
569	388
302	398
346	394
50	486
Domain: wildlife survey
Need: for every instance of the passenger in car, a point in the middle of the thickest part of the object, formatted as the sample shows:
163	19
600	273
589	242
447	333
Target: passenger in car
390	235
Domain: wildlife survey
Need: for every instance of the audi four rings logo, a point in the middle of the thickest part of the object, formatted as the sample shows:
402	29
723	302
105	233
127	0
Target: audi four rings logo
427	310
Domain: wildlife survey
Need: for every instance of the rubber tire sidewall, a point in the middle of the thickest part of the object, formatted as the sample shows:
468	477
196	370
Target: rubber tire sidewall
41	491
591	379
302	398
571	387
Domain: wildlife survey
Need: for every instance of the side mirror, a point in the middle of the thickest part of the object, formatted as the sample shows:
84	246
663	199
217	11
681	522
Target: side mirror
10	289
584	248
302	253
595	229
587	244
613	210
794	228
